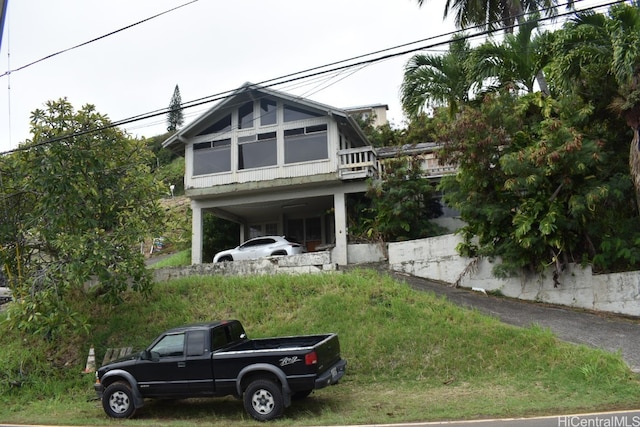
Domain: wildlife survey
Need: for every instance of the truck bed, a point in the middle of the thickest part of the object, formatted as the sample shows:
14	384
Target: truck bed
290	343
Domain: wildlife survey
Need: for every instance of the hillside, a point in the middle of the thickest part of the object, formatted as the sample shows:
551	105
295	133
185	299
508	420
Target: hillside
412	356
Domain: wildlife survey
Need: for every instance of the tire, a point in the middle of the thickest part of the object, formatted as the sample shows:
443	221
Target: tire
117	400
263	400
225	258
299	395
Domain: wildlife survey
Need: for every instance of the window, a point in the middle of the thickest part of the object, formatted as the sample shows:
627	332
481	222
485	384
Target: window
245	116
268	109
170	346
292	113
271	229
257	242
257	151
222	125
195	343
212	157
257	230
218	339
304	144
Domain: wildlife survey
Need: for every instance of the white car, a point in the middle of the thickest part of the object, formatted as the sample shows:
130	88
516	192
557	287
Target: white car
261	247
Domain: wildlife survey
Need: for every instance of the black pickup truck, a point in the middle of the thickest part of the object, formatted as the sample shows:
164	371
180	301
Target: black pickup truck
217	359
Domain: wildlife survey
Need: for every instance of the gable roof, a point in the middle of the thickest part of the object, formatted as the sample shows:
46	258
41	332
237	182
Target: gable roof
249	91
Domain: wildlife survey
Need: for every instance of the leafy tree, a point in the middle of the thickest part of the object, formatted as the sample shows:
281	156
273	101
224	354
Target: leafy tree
437	80
380	136
402	202
219	234
598	58
78	201
175	116
535	191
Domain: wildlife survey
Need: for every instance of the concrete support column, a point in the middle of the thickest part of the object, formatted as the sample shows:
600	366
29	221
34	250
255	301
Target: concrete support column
339	253
196	233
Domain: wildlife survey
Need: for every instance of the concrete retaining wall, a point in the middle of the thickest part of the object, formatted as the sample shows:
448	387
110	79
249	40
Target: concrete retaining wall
436	259
314	262
365	253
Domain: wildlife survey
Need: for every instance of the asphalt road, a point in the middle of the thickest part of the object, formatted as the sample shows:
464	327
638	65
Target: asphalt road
601	330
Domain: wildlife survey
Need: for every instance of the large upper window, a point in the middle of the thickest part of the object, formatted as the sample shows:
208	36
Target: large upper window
304	144
292	113
268	110
245	116
222	125
257	151
212	157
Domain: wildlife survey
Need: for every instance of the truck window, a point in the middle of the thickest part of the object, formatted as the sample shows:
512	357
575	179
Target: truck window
195	343
218	338
170	346
235	331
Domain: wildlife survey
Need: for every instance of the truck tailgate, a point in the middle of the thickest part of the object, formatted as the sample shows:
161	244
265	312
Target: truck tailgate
328	351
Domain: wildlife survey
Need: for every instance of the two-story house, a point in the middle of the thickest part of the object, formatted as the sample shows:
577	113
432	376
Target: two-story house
275	164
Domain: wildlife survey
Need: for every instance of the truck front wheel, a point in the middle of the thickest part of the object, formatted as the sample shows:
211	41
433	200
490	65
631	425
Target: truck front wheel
117	400
263	400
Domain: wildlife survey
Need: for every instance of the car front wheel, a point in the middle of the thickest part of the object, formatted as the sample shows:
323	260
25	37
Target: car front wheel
263	400
117	400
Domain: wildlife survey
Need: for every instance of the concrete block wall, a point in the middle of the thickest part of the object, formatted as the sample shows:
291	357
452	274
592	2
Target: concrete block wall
314	262
436	259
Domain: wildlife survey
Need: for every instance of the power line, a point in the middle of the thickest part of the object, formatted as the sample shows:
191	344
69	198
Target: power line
6	73
361	61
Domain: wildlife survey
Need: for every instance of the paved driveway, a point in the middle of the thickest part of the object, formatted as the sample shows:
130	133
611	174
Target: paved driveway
601	330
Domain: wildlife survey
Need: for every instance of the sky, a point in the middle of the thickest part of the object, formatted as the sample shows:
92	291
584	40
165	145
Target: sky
205	47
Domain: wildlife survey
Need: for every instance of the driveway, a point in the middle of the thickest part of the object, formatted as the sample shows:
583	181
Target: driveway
602	330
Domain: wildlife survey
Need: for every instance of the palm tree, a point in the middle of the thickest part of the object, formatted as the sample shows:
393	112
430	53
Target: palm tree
437	80
493	14
594	45
513	64
624	30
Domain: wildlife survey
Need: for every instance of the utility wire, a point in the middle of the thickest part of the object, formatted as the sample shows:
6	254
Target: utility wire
312	72
6	73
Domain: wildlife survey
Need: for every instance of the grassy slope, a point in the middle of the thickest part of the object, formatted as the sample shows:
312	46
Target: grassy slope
412	356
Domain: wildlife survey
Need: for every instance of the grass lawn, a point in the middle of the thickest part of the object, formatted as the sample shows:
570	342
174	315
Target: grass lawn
412	356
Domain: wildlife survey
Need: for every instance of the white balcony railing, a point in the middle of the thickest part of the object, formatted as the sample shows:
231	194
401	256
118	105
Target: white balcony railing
362	162
357	163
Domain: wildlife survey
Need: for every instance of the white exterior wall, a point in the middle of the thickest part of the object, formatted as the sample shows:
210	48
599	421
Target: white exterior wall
436	259
281	170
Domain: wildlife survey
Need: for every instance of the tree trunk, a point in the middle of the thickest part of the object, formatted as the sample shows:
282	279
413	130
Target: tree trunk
634	163
542	82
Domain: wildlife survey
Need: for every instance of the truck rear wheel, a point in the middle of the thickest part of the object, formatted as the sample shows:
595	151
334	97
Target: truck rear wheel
263	400
117	400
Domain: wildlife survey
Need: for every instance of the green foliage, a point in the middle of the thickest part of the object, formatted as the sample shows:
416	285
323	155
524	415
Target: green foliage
381	136
80	201
511	64
437	80
402	203
219	234
178	259
172	173
535	191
